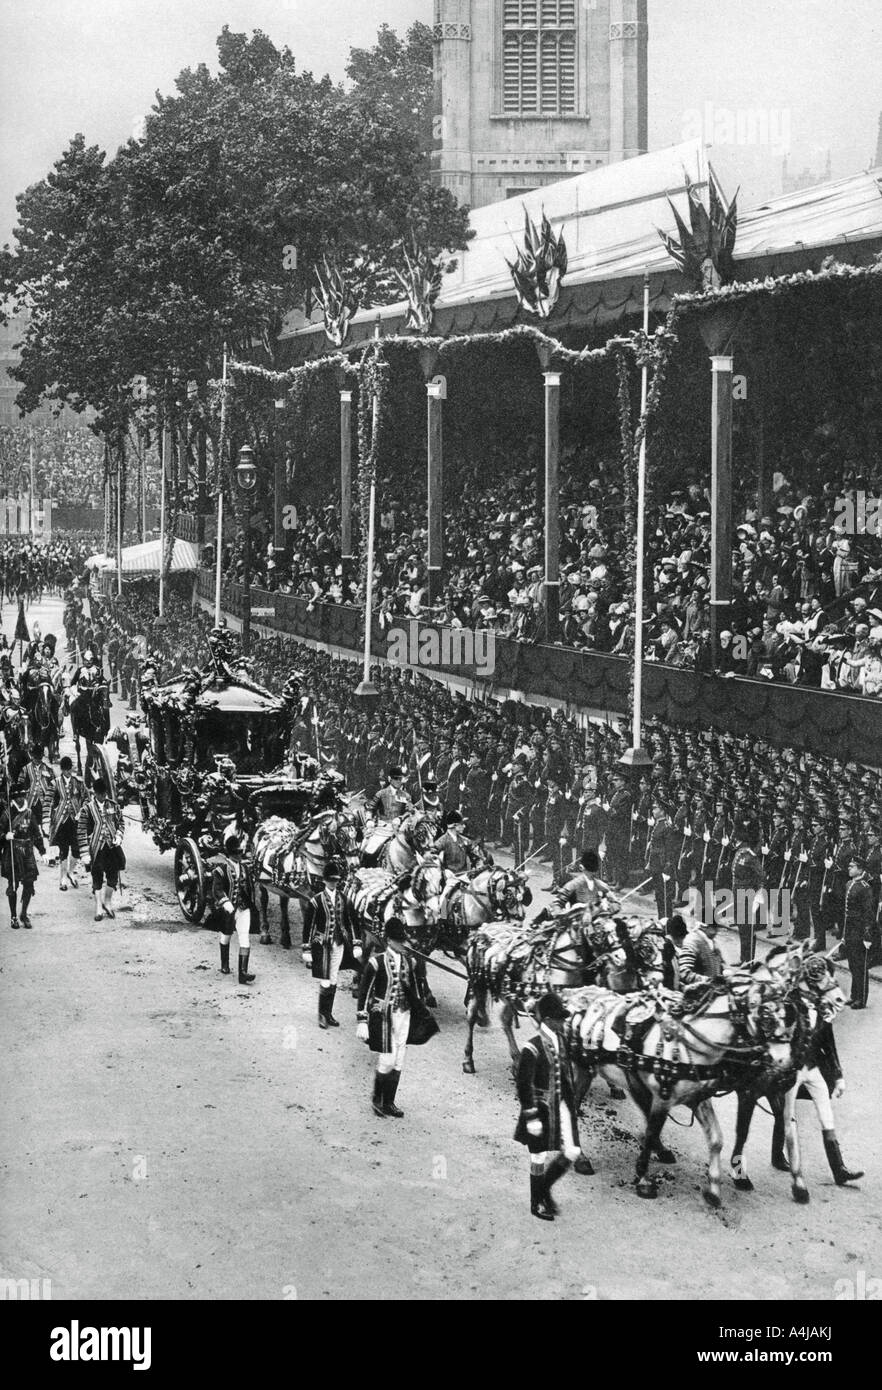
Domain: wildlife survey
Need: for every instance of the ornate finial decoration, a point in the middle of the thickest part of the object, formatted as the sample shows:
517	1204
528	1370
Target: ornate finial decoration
705	252
540	267
421	281
340	298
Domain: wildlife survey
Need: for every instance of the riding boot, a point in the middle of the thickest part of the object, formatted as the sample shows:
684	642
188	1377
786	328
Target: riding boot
553	1173
23	917
329	1005
225	958
322	1007
389	1106
779	1157
378	1098
244	977
841	1174
538	1206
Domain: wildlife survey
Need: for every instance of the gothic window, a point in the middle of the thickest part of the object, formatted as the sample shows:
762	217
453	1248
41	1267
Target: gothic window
538	57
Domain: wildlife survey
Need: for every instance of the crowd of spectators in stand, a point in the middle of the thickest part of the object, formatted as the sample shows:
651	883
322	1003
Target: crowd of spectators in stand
68	464
807	581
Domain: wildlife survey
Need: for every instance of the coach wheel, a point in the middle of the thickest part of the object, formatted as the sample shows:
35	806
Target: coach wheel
190	879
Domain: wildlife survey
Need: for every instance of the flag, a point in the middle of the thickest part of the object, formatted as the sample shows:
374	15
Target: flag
21	625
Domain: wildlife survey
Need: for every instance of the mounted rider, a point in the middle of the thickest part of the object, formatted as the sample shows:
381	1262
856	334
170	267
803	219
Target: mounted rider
392	801
85	677
456	852
585	886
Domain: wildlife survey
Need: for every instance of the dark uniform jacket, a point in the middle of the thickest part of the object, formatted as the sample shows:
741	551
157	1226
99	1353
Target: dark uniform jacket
327	922
858	912
544	1080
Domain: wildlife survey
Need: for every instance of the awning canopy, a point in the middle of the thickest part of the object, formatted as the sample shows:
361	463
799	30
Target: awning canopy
145	558
610	220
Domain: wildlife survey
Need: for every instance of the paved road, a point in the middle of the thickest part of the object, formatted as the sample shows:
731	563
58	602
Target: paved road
167	1133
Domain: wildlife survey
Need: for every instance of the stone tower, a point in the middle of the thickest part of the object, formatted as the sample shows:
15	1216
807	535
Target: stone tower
529	91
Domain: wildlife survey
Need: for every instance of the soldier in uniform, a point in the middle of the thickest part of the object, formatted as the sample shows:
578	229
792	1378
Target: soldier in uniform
232	886
476	795
819	853
659	859
20	834
101	833
796	876
68	800
547	1122
839	875
518	800
328	929
747	883
618	832
556	830
857	931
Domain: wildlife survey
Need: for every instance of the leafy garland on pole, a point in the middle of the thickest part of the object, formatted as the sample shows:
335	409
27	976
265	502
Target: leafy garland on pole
374	375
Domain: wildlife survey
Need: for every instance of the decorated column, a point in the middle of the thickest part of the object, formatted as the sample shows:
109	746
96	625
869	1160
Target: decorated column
551	583
435	391
721	498
346	481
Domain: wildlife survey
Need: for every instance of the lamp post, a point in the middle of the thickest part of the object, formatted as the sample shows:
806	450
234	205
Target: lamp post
246	476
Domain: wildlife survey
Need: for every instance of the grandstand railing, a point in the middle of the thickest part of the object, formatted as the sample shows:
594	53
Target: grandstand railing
840	725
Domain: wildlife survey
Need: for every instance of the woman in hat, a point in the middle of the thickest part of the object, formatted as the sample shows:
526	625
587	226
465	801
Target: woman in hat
390	988
547	1124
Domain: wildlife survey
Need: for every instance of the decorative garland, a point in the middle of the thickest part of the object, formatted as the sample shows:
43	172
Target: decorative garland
830	272
373	382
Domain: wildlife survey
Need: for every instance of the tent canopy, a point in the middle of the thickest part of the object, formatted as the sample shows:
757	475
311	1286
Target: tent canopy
144	559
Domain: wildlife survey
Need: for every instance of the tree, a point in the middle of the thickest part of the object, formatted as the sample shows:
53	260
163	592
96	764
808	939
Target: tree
399	72
141	268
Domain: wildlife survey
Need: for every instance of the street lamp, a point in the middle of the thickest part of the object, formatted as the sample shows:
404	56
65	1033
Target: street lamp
246	476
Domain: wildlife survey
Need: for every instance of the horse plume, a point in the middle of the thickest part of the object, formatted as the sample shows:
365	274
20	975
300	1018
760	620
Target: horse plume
704	251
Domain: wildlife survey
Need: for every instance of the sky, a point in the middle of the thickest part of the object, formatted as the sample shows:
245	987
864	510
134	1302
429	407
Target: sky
802	75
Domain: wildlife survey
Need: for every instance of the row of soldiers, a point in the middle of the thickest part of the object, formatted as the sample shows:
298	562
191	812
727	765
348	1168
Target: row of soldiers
527	778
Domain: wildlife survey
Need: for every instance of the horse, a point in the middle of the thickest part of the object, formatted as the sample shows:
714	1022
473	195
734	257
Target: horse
490	894
90	717
397	847
291	859
373	896
675	1049
818	1000
514	963
44	711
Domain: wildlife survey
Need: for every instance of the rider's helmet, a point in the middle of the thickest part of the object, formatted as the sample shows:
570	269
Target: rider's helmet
88	657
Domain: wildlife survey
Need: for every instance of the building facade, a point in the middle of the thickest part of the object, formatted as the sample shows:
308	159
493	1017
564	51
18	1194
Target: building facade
528	92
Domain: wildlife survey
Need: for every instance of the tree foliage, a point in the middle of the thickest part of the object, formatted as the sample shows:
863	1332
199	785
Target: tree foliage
138	269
